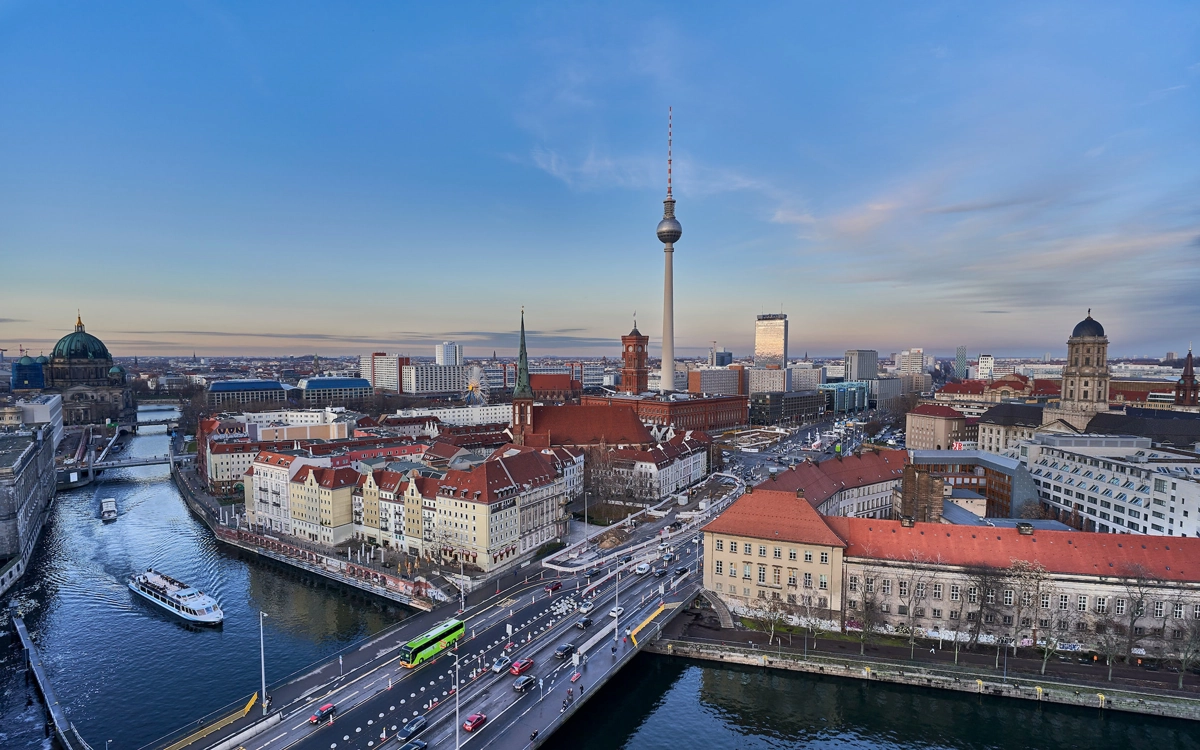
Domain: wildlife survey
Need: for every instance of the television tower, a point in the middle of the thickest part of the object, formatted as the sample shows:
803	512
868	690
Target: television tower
669	232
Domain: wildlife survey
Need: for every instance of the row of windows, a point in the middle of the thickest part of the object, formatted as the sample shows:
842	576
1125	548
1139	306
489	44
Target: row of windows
776	574
776	552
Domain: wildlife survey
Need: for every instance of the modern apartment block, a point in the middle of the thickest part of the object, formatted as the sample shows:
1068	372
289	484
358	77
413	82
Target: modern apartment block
862	364
448	354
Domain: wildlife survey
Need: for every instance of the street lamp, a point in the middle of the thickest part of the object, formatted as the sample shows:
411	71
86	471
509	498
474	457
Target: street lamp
262	661
457	725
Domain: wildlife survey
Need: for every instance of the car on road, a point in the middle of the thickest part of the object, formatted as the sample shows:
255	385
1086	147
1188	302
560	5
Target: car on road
695	540
668	557
501	664
324	712
642	569
414	745
660	572
553	586
584	624
626	559
411	728
564	650
616	612
585	608
520	666
474	721
592	572
524	682
681	570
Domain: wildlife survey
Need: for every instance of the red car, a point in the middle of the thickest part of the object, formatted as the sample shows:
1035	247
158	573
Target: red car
324	712
555	586
474	721
520	666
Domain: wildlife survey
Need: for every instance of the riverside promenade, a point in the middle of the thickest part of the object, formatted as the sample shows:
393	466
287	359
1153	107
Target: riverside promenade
1067	682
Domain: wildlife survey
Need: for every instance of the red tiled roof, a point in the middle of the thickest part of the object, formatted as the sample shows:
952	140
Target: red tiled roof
1167	558
965	388
442	449
330	479
1046	388
552	382
781	516
937	410
614	424
1013	380
821	481
498	478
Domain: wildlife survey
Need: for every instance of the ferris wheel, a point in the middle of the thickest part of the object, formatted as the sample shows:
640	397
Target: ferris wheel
475	392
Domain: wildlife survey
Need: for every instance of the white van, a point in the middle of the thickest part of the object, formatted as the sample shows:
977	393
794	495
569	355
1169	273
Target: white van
642	569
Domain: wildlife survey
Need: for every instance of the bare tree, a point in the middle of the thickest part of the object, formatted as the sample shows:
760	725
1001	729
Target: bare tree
1186	646
913	586
1061	626
865	606
769	613
1027	581
982	603
1110	638
1139	583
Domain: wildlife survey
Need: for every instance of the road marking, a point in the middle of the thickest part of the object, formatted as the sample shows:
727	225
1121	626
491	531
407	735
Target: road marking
268	742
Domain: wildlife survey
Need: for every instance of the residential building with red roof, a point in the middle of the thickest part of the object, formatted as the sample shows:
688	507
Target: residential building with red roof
937	427
322	505
769	549
652	474
855	485
267	486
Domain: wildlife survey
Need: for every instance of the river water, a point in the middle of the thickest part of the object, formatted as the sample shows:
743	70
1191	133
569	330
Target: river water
127	673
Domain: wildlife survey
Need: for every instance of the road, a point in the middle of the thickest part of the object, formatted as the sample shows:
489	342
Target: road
374	706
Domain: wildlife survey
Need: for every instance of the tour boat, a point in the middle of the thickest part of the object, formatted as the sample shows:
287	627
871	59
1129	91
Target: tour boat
108	509
175	596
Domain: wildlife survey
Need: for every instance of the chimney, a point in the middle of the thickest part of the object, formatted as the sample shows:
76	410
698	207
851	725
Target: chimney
907	521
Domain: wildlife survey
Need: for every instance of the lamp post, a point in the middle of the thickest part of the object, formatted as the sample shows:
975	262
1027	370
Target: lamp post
262	661
457	725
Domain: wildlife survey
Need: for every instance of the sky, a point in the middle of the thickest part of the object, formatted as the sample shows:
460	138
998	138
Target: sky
297	177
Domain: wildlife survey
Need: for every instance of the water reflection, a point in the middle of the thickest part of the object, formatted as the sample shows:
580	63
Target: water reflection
662	702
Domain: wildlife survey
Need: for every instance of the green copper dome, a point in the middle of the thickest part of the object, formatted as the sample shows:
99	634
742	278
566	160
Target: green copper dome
80	345
116	370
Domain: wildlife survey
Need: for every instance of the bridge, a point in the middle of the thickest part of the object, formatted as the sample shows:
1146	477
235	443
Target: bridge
607	617
128	461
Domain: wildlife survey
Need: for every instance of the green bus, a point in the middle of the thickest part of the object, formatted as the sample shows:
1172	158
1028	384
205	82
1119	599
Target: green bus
432	643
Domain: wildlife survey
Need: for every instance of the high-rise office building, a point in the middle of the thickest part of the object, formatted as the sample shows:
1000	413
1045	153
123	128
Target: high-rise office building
382	370
960	362
719	358
447	353
911	361
862	364
771	340
987	367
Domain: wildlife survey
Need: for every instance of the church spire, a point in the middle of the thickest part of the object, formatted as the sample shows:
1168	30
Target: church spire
522	390
78	322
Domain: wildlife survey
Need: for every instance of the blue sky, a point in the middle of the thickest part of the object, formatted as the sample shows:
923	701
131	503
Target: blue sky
289	177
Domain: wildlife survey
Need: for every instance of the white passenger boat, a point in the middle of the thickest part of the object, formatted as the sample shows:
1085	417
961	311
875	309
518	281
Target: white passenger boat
108	509
175	596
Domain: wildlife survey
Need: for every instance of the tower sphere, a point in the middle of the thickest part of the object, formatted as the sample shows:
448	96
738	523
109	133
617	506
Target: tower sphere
669	230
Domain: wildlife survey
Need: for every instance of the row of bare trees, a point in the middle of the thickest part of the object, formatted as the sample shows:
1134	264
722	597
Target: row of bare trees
1022	604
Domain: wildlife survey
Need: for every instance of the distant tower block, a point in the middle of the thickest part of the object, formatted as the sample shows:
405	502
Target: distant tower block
669	231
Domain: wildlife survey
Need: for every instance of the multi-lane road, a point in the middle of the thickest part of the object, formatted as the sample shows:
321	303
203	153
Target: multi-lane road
532	621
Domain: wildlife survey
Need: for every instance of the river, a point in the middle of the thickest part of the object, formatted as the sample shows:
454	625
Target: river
127	673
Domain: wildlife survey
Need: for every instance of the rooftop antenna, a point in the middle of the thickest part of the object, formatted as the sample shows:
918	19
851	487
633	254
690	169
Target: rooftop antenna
669	133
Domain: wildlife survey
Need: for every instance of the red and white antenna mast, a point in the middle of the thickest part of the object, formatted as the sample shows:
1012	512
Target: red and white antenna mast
669	126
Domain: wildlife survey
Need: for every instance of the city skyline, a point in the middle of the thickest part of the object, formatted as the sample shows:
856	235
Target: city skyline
924	180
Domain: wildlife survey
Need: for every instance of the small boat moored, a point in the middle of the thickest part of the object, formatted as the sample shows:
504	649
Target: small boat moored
108	509
175	596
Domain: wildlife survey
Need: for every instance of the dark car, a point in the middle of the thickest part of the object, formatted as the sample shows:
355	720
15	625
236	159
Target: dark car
324	712
414	745
626	559
584	624
564	650
412	727
680	570
592	572
474	721
555	586
660	572
524	682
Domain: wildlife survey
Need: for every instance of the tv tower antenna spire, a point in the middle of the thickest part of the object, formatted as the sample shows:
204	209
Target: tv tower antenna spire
670	123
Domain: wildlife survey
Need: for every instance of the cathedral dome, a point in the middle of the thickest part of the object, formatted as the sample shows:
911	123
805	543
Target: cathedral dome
1089	326
26	360
116	370
80	345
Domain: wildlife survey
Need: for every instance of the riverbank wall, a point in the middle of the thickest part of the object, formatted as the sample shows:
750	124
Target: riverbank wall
963	680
